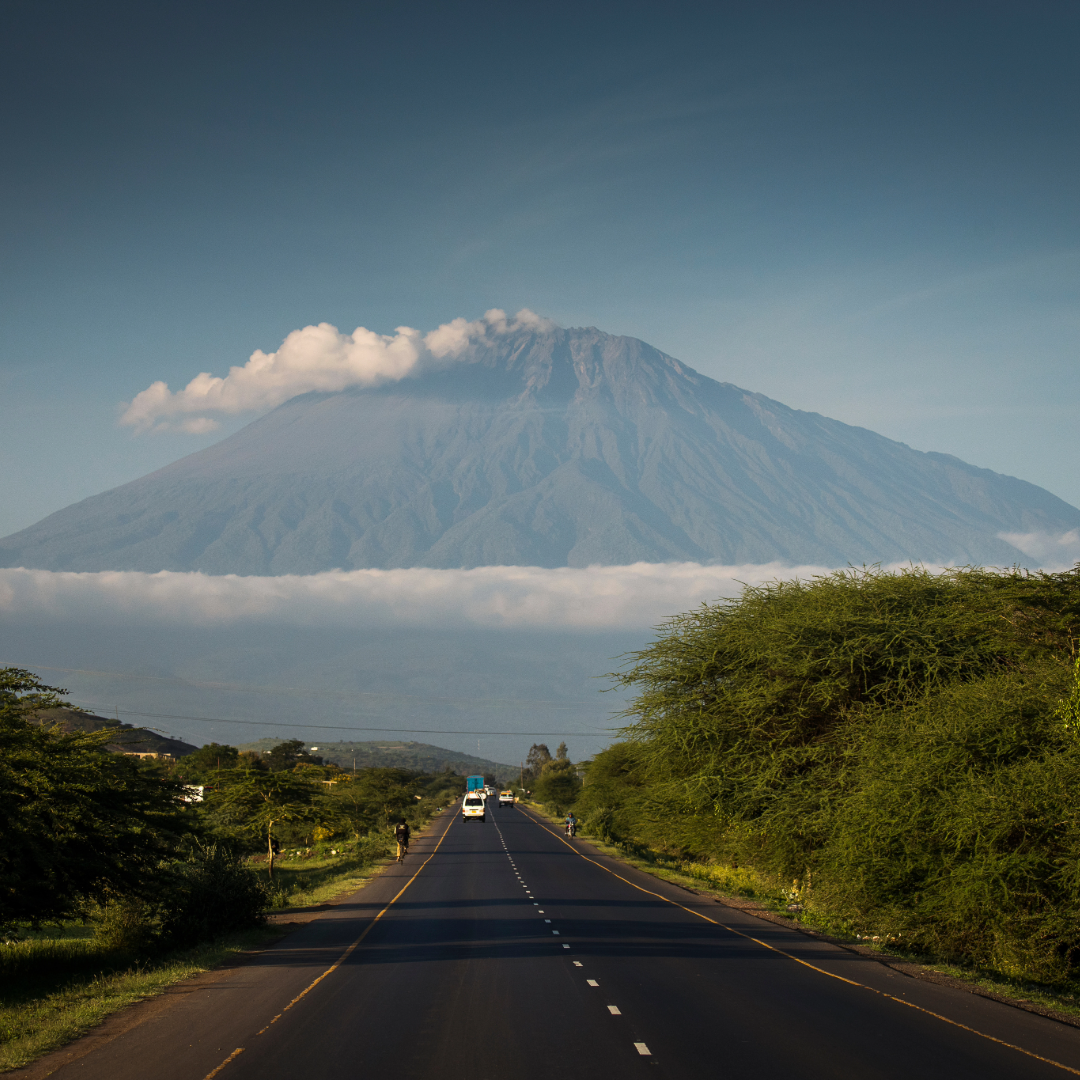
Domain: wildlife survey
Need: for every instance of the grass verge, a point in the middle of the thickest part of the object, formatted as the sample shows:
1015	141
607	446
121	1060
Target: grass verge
315	878
44	1012
58	985
746	889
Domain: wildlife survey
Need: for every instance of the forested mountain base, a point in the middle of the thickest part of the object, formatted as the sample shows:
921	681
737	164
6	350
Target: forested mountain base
904	748
400	754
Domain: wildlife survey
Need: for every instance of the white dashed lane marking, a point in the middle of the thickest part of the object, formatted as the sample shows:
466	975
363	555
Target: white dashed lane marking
614	1010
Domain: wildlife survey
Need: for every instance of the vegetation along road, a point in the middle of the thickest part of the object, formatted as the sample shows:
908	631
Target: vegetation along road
501	949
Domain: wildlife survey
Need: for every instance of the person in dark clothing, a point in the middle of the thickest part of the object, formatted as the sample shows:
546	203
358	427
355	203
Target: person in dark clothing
401	834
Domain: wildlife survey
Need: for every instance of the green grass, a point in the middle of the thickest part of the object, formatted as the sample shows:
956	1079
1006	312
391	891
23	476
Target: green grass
60	982
317	876
63	987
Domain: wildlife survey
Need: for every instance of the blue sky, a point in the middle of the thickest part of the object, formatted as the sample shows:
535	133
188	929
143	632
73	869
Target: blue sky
864	209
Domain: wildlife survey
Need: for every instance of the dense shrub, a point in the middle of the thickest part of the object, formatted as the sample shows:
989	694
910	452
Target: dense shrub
78	824
558	785
207	894
897	739
958	827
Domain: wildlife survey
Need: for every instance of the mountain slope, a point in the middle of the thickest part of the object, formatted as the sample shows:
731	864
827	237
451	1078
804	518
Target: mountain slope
399	754
550	448
129	740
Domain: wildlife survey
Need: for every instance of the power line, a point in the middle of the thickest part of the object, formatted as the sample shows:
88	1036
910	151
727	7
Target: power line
344	727
563	704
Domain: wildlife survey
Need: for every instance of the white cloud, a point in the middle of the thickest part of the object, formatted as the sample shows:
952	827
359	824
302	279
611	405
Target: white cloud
513	597
314	358
1054	551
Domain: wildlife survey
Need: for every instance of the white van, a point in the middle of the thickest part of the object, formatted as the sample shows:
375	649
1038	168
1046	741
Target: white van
473	806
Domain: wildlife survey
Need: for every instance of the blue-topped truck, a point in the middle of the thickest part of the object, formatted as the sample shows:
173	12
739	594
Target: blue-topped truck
474	804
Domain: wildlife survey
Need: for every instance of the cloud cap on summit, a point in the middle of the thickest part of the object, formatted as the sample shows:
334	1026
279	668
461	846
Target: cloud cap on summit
523	443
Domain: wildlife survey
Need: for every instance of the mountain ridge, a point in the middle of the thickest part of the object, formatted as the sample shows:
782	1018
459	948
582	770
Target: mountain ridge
398	754
550	448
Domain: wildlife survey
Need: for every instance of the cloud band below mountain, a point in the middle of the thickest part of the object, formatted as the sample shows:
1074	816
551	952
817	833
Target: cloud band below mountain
1052	551
513	597
315	358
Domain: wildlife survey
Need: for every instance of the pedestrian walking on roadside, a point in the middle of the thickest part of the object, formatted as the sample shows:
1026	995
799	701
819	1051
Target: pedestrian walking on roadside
401	834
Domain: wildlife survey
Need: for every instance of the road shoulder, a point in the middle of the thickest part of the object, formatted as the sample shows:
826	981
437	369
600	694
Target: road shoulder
282	925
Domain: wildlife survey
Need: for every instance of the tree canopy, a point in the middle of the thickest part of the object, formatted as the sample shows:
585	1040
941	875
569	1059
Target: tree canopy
905	739
78	822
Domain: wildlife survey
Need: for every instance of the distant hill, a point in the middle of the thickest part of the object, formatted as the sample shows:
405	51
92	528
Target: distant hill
129	740
396	754
546	448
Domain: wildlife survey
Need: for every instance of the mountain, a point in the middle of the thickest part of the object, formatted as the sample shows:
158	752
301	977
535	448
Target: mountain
396	754
129	740
549	448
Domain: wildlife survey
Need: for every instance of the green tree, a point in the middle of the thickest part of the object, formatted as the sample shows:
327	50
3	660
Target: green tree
258	802
1068	710
610	801
907	742
746	711
558	785
539	755
207	763
78	823
289	754
387	792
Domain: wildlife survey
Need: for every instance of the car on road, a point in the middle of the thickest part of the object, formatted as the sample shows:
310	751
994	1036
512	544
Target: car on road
506	798
473	807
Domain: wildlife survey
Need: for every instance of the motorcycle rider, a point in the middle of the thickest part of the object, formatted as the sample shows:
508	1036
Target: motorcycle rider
571	823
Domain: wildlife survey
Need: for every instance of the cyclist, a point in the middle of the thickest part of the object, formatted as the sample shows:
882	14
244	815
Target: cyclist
571	824
401	834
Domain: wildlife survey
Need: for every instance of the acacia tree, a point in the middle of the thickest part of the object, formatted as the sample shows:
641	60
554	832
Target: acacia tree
258	801
388	791
206	764
558	784
539	755
78	823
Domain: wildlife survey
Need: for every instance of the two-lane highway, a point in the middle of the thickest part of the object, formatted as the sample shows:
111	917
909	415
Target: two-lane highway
500	950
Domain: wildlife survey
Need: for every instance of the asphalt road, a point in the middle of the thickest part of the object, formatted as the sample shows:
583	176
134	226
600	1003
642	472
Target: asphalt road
499	951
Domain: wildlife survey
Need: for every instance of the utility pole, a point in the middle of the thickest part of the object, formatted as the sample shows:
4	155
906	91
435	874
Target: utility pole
521	783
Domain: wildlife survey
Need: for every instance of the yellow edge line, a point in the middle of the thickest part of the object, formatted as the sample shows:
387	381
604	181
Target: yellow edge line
346	954
239	1050
773	948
